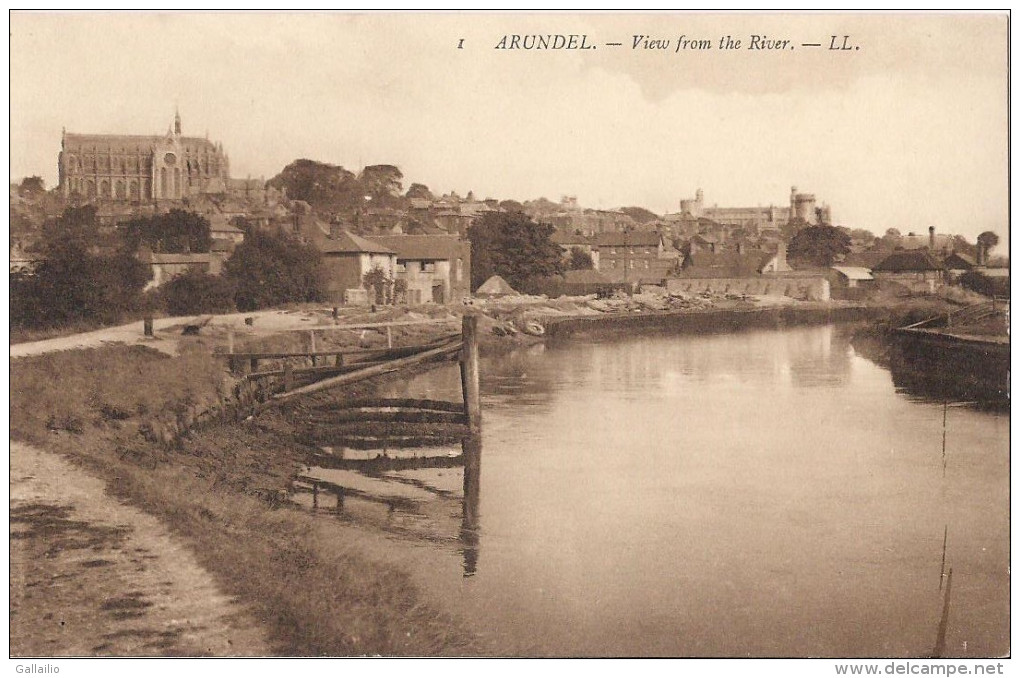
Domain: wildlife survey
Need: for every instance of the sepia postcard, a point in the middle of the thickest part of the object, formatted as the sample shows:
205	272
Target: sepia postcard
522	335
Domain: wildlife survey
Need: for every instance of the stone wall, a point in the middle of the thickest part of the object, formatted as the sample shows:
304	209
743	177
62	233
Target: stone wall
814	288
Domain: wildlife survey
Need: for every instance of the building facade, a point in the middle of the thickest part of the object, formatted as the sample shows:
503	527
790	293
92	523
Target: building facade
140	168
758	219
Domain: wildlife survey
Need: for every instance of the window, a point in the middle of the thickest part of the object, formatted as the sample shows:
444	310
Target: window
401	268
460	269
429	267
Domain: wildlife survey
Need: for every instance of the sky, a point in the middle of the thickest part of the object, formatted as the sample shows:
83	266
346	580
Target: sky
907	128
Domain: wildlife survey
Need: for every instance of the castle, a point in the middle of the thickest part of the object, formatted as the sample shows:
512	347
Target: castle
140	168
759	219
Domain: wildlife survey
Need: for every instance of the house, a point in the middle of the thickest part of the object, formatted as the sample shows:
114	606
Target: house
915	269
774	263
853	276
346	259
956	264
437	268
630	256
220	229
166	266
729	264
568	241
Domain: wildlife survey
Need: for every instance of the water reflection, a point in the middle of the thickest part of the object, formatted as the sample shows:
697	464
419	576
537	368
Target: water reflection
470	526
768	493
936	376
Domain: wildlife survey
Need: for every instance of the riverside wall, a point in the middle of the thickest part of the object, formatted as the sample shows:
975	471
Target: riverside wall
707	320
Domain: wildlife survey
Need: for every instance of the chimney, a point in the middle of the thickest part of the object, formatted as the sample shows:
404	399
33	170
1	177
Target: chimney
931	239
980	253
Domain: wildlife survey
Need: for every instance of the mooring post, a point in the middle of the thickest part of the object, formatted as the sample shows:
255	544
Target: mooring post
235	367
469	373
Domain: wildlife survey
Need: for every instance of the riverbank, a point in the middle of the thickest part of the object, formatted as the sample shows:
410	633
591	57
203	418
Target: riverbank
217	491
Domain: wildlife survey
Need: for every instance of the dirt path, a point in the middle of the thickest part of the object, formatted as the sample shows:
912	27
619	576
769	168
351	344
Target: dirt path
91	576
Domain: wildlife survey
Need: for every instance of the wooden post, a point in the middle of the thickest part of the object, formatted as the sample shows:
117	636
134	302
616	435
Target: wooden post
311	334
230	341
339	500
288	377
147	324
254	364
315	495
389	337
469	373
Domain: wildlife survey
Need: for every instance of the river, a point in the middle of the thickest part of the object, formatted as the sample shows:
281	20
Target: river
760	493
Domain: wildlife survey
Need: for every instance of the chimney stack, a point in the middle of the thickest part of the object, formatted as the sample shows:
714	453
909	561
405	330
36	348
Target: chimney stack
931	239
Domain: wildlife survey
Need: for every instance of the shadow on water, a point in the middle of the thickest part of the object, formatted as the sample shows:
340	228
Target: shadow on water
961	375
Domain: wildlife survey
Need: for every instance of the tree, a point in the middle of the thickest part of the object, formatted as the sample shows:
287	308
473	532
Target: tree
72	285
818	245
379	284
383	184
270	269
987	241
513	246
31	187
862	235
579	260
175	232
198	292
77	225
511	206
419	191
327	188
790	229
962	246
639	214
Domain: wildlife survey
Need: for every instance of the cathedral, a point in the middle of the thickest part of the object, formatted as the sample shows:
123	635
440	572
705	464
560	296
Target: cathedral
139	168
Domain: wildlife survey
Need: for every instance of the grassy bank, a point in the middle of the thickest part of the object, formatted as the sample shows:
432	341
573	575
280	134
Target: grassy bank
114	411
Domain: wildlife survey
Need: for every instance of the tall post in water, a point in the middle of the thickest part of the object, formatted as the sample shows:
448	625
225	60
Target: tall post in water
469	374
472	444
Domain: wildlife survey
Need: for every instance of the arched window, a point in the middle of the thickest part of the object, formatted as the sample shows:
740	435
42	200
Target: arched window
104	189
121	190
133	190
90	189
163	187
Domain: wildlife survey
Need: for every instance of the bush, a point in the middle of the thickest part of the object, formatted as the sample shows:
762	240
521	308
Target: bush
982	284
197	292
